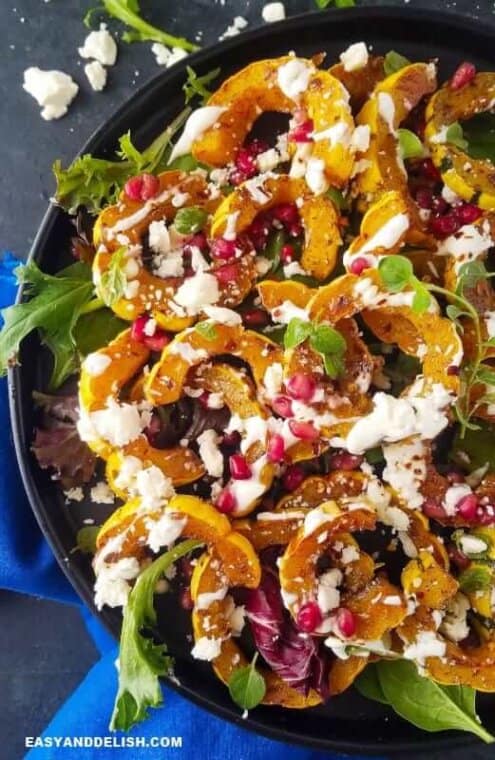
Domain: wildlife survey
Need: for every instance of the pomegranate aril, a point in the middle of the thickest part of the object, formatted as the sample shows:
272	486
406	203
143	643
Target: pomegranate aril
346	622
287	253
282	406
256	318
485	517
453	369
431	508
428	169
345	461
424	197
232	439
239	468
227	274
458	558
287	213
153	430
246	163
301	386
302	132
443	226
467	507
309	617
197	241
186	600
142	188
358	265
467	213
463	75
439	205
255	147
156	342
223	249
137	329
203	399
295	230
275	449
186	568
306	431
293	477
225	502
237	177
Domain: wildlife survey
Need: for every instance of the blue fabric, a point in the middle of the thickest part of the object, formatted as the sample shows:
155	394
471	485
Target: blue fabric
27	565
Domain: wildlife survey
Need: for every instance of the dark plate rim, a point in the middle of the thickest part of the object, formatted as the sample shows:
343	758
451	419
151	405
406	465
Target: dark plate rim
470	25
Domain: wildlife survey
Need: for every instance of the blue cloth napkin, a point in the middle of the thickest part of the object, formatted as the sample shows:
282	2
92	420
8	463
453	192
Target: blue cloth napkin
27	565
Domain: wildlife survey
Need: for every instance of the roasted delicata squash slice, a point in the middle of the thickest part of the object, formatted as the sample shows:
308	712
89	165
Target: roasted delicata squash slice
360	82
283	85
318	215
384	112
274	293
122	230
213	619
470	178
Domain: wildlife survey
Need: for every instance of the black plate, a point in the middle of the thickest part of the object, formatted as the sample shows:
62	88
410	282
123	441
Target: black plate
348	723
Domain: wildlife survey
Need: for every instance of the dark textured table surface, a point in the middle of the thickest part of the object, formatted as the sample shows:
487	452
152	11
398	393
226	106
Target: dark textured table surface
44	648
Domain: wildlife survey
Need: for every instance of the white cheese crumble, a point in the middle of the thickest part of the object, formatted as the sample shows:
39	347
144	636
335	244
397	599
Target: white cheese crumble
239	23
96	75
188	353
95	364
165	56
102	494
53	90
293	78
197	292
223	316
206	599
406	470
315	176
287	311
111	586
74	494
119	424
427	644
453	495
454	624
197	124
164	531
328	595
100	46
210	453
355	57
273	379
206	648
273	12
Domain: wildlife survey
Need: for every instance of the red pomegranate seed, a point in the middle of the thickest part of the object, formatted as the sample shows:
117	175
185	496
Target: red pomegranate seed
142	188
463	75
467	507
458	558
186	567
439	205
306	431
428	169
431	508
443	226
186	600
156	342
256	318
301	133
287	213
358	265
345	461
275	449
453	369
137	329
236	177
246	163
258	232
239	468
424	197
484	517
232	439
454	477
227	274
282	406
255	147
295	230
293	477
287	253
467	213
197	241
346	622
309	617
203	399
301	386
225	502
223	249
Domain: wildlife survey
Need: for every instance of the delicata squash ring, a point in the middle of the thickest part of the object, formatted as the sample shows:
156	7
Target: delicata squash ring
211	619
391	102
470	178
283	85
117	364
318	215
127	224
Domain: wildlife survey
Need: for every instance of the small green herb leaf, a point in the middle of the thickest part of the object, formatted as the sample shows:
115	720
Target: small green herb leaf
141	661
396	272
190	220
127	11
475	578
246	686
326	340
422	298
297	332
113	281
455	136
410	145
195	86
338	198
394	62
86	539
206	329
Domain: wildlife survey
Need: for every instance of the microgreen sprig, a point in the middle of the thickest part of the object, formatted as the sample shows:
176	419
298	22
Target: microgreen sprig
195	86
324	339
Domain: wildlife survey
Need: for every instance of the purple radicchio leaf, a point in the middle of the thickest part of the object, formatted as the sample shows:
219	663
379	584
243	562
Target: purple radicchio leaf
57	445
297	659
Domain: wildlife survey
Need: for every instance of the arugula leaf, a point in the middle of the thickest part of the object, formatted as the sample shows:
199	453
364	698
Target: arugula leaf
410	145
455	136
424	703
127	11
141	661
246	686
190	220
394	62
113	281
54	308
206	329
475	578
195	86
94	182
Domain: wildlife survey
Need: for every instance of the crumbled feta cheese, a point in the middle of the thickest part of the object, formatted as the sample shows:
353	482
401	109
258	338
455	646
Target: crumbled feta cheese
164	531
355	57
210	453
273	379
349	554
111	586
96	75
406	470
206	599
293	78
315	176
273	12
102	494
223	316
328	595
165	56
360	140
119	424
237	619
53	90
197	292
287	311
187	352
101	46
239	23
159	237
206	648
95	364
454	624
292	269
453	495
427	644
74	494
153	487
